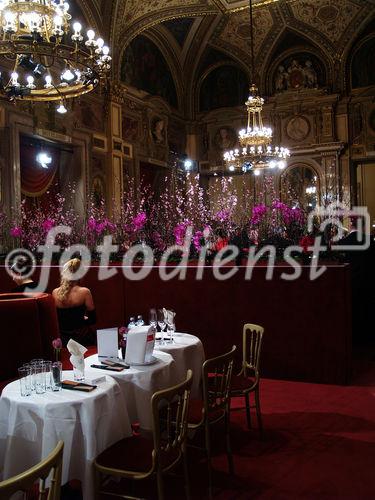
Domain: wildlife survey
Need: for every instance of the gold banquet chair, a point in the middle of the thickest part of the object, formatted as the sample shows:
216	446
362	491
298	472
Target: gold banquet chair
248	379
137	457
215	405
25	481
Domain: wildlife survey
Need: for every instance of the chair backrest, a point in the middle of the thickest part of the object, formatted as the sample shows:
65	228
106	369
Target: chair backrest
170	409
216	379
25	481
31	319
252	344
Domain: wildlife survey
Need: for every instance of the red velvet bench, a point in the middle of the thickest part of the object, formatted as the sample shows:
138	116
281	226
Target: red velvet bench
28	324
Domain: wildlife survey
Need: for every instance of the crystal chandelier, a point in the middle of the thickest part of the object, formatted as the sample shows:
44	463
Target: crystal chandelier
256	152
42	59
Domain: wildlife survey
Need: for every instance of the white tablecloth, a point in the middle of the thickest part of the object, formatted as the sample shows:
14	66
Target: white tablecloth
88	423
138	383
188	353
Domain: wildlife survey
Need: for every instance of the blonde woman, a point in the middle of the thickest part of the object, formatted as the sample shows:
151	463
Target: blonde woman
75	307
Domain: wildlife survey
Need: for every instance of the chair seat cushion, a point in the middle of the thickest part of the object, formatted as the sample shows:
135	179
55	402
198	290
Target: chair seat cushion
133	454
240	383
196	409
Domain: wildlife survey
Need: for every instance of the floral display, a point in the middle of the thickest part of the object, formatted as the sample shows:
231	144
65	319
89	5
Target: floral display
57	346
161	221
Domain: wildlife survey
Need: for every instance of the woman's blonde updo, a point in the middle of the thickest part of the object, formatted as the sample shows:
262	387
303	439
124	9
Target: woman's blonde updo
67	283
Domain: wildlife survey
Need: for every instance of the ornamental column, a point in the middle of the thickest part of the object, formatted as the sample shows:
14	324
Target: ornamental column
115	151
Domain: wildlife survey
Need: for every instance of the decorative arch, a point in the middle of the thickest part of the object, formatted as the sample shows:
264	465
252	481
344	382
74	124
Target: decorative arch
84	11
300	184
281	51
361	66
145	67
220	86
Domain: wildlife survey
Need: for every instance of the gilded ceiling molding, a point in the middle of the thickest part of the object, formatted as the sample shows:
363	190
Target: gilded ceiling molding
143	24
305	30
88	11
171	58
131	31
193	59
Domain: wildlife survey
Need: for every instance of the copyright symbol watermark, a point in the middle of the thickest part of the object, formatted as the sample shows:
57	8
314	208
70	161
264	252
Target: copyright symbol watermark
20	261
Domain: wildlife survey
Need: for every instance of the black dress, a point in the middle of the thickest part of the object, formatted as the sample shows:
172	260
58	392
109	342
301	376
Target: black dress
73	325
26	286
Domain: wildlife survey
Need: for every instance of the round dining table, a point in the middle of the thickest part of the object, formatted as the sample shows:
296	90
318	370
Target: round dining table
138	384
188	353
88	423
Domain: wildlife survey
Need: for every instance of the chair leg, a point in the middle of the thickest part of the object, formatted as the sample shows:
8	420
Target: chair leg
97	483
208	453
248	417
257	407
227	442
159	478
186	475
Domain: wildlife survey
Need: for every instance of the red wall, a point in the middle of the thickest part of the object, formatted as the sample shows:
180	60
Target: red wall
307	323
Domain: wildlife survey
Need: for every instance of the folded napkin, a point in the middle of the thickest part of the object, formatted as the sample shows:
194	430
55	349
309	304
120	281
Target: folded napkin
77	352
169	316
140	345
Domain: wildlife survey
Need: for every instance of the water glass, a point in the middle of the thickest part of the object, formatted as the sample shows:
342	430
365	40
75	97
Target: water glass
25	380
39	378
47	373
79	374
32	363
171	328
56	376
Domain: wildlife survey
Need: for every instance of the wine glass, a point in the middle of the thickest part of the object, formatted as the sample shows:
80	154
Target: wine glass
153	319
171	327
161	323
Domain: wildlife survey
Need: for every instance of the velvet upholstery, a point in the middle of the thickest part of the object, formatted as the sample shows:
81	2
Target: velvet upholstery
307	323
28	325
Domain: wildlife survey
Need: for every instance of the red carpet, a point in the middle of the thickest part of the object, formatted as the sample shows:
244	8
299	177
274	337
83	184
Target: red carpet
319	443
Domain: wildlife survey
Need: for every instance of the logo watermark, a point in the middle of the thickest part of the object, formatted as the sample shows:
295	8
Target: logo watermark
139	260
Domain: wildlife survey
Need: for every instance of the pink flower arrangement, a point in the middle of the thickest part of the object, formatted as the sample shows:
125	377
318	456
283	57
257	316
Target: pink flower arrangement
139	221
180	232
197	240
16	232
57	346
47	225
222	215
164	222
258	213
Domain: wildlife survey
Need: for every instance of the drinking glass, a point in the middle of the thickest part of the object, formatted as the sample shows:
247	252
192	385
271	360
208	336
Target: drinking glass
56	376
171	327
153	319
33	363
39	378
47	373
161	323
25	379
78	367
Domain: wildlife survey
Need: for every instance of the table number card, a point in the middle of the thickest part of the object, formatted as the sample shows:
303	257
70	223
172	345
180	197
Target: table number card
107	343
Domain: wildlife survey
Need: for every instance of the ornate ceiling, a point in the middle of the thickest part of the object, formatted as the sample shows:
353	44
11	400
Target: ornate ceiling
185	29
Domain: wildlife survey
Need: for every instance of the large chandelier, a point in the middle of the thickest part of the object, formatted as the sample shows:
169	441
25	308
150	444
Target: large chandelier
42	59
256	151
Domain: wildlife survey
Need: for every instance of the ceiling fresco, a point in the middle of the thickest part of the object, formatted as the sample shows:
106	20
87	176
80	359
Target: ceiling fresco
331	18
186	30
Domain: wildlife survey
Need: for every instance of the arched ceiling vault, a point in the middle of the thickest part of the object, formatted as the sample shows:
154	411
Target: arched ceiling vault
330	25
